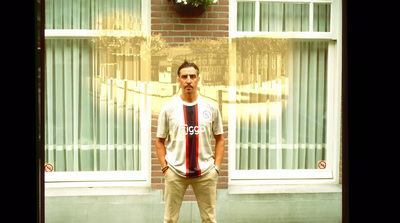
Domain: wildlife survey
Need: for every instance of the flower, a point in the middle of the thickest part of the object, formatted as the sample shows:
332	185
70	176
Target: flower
196	2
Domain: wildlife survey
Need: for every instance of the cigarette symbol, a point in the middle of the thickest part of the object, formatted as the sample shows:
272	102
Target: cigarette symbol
48	167
322	164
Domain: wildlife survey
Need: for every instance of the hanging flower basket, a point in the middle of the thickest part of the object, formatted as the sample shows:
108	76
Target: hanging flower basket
191	7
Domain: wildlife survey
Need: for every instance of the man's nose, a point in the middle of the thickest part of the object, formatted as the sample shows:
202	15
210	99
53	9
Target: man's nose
188	79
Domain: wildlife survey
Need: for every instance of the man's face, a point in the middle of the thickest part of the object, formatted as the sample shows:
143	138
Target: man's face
188	80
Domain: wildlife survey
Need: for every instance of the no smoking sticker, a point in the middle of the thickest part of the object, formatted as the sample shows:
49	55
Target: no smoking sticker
322	164
48	168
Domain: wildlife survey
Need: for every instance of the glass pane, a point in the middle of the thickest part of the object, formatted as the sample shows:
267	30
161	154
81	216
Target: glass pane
322	17
281	112
284	17
93	88
245	16
93	14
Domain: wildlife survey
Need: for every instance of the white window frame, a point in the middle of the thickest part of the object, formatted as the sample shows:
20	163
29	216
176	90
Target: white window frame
139	179
260	181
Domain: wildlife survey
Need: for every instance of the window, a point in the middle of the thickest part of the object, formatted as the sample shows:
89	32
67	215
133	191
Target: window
96	94
272	16
284	124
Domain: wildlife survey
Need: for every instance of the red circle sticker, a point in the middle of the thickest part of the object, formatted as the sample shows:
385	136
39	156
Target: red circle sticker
322	164
48	168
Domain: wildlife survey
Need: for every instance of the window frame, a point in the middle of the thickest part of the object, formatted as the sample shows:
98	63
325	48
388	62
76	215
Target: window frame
334	33
141	178
254	181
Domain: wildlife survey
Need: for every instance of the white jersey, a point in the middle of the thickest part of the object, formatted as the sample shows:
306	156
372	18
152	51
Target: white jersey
188	128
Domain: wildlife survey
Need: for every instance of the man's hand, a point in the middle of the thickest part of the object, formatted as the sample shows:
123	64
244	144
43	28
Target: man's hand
161	151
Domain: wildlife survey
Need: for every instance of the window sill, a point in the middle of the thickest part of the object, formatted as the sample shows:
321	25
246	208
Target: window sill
254	188
97	191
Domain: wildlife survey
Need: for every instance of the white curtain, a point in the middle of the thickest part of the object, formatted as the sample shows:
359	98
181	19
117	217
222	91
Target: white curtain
283	17
281	103
93	89
322	17
93	14
245	16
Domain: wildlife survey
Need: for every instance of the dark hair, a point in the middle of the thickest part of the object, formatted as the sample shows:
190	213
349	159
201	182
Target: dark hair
188	64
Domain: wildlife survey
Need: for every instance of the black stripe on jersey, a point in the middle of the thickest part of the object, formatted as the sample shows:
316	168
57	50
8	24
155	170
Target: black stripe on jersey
192	139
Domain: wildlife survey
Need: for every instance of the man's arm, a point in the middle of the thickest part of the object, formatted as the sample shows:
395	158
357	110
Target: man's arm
161	151
219	149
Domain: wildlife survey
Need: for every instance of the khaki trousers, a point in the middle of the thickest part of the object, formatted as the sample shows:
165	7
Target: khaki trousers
204	187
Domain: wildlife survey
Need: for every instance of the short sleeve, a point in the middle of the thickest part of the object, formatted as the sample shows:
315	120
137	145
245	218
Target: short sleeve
162	126
217	122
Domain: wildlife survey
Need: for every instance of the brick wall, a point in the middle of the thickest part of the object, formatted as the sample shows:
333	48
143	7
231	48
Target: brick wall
178	29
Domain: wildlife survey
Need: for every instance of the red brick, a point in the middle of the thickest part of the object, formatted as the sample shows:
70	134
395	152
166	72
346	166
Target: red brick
159	20
223	179
156	167
168	27
155	27
223	27
221	34
157	174
212	27
189	191
179	39
157	186
202	27
156	14
191	27
223	2
201	33
159	8
212	15
188	39
180	33
223	15
174	20
220	9
220	21
223	173
155	180
179	27
190	20
167	14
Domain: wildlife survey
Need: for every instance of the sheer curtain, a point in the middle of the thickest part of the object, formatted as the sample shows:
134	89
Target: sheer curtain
93	89
93	14
245	16
283	16
281	104
281	87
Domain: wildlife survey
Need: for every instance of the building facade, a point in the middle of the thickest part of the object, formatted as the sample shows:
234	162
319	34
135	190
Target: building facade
272	67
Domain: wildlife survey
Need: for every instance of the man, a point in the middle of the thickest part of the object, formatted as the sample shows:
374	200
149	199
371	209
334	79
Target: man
188	122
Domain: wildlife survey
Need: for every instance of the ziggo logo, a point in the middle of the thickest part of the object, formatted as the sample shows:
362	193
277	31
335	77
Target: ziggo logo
184	130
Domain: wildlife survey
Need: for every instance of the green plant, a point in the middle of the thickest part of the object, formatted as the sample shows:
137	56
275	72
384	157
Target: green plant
196	2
